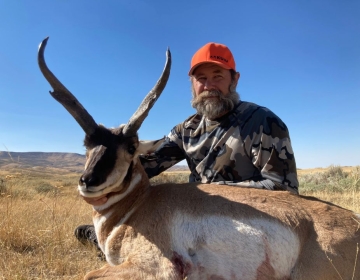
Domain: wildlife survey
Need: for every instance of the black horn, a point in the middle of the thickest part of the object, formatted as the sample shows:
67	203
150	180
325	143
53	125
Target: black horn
141	113
64	96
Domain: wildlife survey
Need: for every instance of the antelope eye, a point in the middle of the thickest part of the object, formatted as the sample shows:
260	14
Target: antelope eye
131	150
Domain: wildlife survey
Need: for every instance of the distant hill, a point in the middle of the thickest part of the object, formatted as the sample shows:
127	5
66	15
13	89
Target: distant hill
72	162
36	160
62	162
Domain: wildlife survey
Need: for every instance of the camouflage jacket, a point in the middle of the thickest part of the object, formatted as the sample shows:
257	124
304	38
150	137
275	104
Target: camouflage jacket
248	147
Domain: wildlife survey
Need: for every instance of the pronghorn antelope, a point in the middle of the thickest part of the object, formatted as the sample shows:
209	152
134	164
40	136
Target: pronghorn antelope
200	231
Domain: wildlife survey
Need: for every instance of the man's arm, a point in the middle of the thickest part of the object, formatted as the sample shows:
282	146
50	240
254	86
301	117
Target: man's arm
273	155
259	183
167	155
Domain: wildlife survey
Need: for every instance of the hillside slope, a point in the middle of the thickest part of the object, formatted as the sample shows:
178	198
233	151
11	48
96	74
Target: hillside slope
36	160
58	162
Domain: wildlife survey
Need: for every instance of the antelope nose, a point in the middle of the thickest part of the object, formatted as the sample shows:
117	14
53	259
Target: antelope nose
89	181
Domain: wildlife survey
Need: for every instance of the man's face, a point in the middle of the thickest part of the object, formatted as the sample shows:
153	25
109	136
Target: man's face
214	90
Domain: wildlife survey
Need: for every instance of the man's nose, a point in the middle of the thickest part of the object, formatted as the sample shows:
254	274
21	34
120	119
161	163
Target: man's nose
209	85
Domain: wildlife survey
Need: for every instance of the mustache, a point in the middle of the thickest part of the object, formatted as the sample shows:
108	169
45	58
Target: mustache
209	93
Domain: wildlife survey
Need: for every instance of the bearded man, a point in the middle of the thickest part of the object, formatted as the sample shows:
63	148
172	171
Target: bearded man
228	141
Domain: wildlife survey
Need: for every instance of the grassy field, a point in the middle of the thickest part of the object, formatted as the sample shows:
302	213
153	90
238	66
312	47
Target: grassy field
40	209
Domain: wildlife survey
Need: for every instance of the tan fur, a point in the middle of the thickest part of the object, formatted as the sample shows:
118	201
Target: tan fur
326	232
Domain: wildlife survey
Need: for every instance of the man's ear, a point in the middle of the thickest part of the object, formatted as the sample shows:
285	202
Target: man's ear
236	77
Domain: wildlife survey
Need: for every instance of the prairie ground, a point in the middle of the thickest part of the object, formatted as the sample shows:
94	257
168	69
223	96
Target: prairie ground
41	208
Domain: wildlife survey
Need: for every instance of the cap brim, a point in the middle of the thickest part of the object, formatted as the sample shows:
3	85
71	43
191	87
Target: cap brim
204	62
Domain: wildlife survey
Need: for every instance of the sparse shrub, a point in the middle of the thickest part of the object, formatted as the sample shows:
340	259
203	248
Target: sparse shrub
170	177
71	183
354	175
3	188
335	171
45	188
335	179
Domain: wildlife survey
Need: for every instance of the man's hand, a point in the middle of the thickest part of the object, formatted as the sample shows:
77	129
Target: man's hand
96	201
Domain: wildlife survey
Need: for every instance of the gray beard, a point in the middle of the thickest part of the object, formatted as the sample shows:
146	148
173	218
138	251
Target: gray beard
214	108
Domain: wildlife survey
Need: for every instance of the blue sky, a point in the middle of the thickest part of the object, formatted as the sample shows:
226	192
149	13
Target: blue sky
301	59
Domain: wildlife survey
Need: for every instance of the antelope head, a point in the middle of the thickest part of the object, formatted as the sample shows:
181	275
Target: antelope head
110	153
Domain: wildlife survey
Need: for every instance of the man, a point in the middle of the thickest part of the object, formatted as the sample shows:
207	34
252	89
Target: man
227	141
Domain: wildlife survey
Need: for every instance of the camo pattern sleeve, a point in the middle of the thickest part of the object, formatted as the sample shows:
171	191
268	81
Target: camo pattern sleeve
249	147
167	155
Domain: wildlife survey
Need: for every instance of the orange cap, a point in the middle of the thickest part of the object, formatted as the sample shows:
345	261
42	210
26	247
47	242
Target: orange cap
213	53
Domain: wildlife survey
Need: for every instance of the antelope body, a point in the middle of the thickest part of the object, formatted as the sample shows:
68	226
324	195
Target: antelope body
200	231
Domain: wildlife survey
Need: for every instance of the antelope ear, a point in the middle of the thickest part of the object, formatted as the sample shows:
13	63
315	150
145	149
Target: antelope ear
148	147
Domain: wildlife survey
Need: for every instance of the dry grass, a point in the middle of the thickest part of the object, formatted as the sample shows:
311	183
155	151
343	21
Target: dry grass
38	217
40	210
335	184
347	169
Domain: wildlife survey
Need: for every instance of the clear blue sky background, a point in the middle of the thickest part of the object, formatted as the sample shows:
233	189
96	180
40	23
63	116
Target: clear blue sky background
301	59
